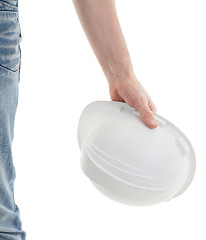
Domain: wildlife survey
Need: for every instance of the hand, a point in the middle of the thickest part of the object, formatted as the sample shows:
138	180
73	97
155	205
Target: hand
131	91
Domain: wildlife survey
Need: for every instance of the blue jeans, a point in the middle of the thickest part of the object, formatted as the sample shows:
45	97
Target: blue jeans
10	59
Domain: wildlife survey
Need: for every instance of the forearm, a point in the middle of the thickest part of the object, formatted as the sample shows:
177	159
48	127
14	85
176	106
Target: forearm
101	26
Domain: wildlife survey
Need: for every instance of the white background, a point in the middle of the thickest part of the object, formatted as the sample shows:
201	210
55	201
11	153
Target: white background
60	75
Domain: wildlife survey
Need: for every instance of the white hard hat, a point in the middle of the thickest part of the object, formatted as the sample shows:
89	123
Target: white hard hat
129	162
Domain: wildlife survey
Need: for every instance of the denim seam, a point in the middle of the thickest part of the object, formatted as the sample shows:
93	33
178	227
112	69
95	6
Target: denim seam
5	10
8	69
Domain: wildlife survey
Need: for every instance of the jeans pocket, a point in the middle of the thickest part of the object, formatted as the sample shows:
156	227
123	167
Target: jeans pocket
9	5
10	38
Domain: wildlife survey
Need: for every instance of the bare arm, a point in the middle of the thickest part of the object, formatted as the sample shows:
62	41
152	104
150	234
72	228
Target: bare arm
101	26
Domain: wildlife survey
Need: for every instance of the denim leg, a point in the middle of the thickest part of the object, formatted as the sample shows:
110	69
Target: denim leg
10	58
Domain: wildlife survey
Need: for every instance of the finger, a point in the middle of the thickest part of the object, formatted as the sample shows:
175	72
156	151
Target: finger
145	113
115	96
152	106
148	117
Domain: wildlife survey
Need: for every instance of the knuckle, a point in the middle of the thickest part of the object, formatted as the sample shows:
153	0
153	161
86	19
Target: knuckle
140	102
142	99
146	113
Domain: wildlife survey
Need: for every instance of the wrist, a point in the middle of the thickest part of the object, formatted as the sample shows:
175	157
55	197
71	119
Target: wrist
118	71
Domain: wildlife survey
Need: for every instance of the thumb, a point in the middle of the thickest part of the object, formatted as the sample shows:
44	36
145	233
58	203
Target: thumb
145	113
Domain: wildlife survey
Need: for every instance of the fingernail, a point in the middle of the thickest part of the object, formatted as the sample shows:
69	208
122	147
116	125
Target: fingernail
154	123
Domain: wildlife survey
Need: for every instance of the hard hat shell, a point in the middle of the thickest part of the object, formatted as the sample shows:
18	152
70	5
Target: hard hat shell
129	162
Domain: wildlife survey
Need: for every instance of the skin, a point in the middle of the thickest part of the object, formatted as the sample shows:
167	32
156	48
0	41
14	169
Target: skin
101	26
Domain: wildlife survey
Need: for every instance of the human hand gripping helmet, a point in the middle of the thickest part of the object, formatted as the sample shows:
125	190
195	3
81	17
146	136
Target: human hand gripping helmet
129	162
